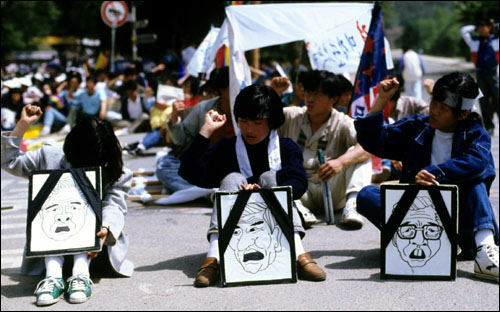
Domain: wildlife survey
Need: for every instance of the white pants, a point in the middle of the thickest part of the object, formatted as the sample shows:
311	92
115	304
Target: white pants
351	180
414	88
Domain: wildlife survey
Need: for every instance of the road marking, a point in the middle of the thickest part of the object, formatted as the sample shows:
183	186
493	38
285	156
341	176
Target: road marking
14	226
12	252
11	262
16	216
13	236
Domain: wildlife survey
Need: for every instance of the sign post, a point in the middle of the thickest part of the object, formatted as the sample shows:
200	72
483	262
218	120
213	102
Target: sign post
114	14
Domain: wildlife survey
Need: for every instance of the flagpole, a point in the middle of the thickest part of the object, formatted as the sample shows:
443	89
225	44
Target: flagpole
378	4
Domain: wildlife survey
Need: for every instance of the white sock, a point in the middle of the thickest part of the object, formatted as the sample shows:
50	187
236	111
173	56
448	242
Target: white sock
141	147
351	199
483	237
81	264
53	266
213	251
299	248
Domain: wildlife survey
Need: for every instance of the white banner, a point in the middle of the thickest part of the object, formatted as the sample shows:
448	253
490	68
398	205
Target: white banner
201	61
256	26
339	50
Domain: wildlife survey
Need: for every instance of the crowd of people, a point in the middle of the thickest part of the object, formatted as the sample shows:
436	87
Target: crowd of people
443	141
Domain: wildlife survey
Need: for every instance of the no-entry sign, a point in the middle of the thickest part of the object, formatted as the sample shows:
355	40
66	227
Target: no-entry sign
114	13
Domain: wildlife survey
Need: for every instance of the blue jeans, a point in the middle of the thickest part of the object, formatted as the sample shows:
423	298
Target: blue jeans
52	115
167	168
474	212
153	139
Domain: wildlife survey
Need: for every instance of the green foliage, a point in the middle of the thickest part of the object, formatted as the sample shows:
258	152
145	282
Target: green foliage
434	26
22	20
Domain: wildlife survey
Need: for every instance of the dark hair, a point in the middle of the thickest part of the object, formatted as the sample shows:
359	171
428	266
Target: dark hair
259	102
220	78
321	79
458	83
130	85
76	75
343	84
92	142
91	78
129	71
194	86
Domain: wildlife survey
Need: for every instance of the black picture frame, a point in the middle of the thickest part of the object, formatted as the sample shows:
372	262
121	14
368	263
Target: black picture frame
93	197
447	224
227	228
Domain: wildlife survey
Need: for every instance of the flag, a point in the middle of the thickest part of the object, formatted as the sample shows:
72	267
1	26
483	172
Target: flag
372	69
222	57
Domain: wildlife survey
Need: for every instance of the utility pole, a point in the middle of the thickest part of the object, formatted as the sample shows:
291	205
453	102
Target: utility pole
133	19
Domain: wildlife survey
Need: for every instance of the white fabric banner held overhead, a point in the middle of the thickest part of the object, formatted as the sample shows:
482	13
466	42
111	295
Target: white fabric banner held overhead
256	26
200	61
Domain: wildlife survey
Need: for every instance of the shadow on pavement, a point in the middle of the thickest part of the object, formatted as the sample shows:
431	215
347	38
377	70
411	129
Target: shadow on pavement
362	259
25	284
189	265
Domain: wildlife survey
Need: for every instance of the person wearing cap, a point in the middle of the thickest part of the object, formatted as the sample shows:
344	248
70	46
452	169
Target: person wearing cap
484	52
447	147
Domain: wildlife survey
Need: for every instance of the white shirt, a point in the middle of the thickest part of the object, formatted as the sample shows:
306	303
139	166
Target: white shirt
441	147
134	108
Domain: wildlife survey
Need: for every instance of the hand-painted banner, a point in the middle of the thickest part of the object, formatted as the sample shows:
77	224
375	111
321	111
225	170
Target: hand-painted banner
200	61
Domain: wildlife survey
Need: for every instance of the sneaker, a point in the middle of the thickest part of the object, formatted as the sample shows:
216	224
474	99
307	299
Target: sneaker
309	218
65	130
131	146
49	290
79	289
486	262
351	217
136	152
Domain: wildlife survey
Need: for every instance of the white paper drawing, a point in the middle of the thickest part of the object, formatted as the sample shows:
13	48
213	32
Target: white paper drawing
420	245
66	220
258	249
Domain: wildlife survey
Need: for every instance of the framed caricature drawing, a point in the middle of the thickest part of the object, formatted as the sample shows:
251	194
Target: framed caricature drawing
256	242
419	234
64	212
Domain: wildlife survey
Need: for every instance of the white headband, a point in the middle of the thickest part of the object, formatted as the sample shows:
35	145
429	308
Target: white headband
467	104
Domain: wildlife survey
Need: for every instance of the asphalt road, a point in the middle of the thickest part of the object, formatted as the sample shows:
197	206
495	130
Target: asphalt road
168	245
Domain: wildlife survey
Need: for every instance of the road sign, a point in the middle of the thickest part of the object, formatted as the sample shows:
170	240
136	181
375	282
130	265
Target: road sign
146	38
114	13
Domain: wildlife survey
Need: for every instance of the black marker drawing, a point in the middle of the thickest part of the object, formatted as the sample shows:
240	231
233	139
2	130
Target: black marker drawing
256	240
418	238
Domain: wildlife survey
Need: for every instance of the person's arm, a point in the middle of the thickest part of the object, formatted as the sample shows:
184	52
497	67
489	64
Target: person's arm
333	167
465	31
114	210
13	161
386	91
184	131
377	139
103	107
61	87
292	168
112	82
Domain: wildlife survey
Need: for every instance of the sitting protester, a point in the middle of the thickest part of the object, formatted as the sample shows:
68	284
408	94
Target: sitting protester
256	158
447	147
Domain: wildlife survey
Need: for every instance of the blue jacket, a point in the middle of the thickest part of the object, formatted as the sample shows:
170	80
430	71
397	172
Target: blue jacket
410	141
206	166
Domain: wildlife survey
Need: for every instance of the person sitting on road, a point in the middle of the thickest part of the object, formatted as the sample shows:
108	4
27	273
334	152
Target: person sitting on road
182	132
319	126
90	143
447	147
270	161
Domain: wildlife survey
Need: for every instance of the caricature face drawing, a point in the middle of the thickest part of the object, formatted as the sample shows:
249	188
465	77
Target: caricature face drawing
256	238
418	238
63	213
